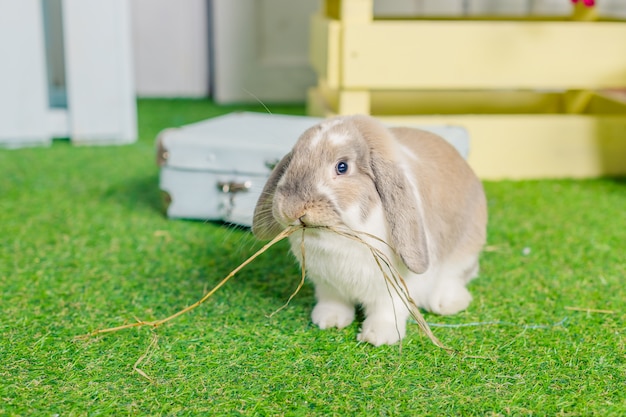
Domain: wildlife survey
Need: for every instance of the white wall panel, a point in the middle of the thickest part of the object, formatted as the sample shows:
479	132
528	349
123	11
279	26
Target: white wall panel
23	80
171	47
100	89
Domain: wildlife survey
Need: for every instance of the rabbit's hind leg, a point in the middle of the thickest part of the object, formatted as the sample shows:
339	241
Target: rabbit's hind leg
446	293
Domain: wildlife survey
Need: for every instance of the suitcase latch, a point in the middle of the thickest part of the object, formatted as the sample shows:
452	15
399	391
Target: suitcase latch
234	187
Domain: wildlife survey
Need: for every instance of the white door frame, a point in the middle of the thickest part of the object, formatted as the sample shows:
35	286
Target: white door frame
101	107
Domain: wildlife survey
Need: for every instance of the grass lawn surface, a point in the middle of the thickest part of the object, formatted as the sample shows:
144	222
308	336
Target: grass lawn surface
84	245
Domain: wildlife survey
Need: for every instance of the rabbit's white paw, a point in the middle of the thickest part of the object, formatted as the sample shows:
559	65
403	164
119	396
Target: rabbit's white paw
332	314
449	299
378	331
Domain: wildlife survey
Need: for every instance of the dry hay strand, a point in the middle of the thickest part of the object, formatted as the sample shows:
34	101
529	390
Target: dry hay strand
393	280
302	276
146	356
157	323
590	310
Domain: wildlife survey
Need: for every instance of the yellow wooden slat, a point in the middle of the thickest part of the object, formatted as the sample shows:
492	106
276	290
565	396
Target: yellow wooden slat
465	102
483	55
539	146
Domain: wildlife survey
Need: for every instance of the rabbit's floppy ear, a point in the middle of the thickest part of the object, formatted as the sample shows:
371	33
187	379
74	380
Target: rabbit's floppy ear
264	225
401	206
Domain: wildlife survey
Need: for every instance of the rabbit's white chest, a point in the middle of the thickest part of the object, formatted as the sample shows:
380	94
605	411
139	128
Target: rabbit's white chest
344	264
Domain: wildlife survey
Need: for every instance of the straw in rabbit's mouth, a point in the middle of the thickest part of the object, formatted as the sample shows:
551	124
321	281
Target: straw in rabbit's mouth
392	277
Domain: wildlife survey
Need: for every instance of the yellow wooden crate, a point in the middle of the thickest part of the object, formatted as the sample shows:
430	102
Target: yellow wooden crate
516	135
523	89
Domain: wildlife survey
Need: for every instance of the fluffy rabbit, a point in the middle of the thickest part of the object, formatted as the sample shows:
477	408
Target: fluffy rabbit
406	186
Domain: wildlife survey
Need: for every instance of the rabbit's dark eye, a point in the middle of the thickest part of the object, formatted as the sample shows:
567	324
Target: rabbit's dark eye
341	168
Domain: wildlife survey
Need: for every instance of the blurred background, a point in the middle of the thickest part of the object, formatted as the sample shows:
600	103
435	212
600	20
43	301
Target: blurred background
74	68
234	50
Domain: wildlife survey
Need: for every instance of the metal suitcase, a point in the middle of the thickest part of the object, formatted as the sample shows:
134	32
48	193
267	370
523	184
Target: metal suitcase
216	169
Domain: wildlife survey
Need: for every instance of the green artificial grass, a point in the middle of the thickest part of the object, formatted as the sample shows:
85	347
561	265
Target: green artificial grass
84	245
